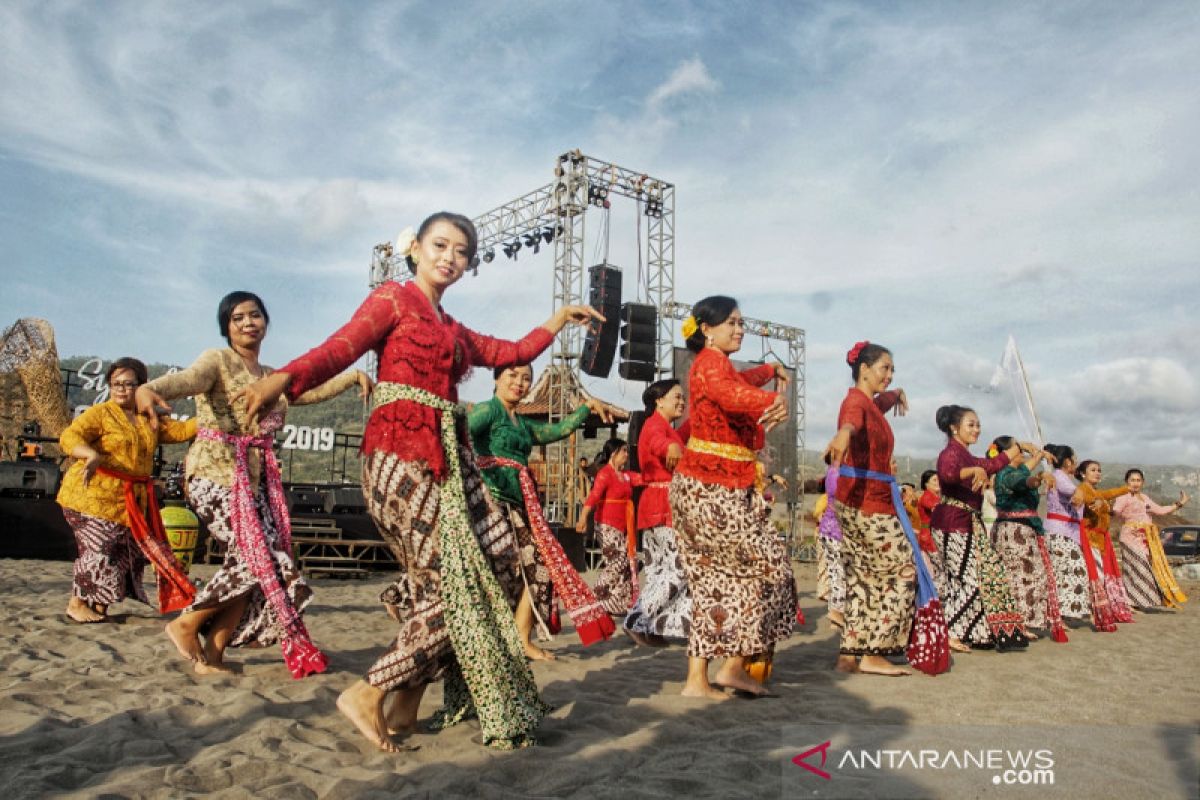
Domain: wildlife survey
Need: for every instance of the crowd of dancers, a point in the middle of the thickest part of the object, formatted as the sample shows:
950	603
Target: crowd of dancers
480	573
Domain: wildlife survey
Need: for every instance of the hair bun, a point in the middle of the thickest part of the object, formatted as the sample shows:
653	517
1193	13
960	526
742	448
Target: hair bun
853	353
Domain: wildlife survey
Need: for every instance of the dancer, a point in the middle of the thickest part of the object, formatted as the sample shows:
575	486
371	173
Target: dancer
1096	520
971	578
1149	581
105	495
664	608
831	572
739	577
505	439
612	494
1017	539
931	496
233	483
877	557
1081	593
455	549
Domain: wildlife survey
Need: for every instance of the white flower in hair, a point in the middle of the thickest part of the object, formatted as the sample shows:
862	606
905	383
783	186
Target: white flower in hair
405	240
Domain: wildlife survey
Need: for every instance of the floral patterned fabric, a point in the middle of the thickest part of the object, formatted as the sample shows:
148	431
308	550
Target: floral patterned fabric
213	504
880	583
110	565
664	606
739	576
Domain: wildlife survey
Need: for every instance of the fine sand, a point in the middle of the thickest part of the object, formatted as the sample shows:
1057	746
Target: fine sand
111	711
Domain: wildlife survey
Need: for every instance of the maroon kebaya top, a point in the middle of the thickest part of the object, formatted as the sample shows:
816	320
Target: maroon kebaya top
870	448
953	459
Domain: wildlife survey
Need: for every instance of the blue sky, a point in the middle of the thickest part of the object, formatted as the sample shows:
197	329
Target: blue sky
932	176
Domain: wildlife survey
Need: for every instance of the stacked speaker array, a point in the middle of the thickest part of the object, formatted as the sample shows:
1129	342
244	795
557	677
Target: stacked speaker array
600	344
633	325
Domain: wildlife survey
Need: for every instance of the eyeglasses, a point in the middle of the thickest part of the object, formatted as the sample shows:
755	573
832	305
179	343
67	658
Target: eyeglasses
125	384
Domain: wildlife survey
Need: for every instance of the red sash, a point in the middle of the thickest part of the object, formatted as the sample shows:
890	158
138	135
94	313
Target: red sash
175	591
1102	615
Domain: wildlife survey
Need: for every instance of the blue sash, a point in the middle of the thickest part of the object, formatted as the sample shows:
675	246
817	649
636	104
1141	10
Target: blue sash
926	590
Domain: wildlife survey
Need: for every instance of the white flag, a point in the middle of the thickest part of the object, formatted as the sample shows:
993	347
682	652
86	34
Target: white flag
1012	372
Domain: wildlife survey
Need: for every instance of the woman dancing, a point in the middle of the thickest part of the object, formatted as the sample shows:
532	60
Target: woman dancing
105	495
505	439
612	495
971	578
831	573
876	555
233	483
1147	575
456	550
743	593
1017	538
1081	592
1096	520
664	608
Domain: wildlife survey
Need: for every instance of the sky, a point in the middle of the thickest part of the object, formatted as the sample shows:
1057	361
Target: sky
931	176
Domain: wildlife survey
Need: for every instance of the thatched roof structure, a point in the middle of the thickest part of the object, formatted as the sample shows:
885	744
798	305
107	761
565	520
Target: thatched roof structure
537	402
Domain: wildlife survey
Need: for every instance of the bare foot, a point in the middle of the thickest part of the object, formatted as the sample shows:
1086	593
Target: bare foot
708	692
1031	636
393	612
638	638
362	704
837	619
219	668
847	664
81	612
213	662
185	641
535	653
736	678
959	646
878	665
396	721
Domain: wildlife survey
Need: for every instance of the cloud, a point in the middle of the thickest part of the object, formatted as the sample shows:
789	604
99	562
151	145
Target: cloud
690	77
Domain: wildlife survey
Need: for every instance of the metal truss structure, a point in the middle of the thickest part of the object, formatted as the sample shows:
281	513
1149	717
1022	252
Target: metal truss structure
556	213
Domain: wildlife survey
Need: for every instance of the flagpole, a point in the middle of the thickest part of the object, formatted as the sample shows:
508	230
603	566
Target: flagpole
1028	393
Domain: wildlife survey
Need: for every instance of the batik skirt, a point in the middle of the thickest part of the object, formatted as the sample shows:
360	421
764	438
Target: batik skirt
974	589
664	606
258	627
738	573
1029	582
880	582
403	499
1136	572
831	573
614	587
110	563
1070	576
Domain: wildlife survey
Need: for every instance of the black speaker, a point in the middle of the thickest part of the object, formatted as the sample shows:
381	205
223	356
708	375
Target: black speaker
636	420
305	499
345	500
600	344
29	479
639	342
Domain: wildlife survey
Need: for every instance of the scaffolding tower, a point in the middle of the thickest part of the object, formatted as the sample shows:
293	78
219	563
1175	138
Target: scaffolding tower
556	213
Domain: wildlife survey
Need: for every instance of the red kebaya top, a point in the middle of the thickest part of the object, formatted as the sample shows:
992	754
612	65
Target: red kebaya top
870	448
724	407
415	347
656	437
610	495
